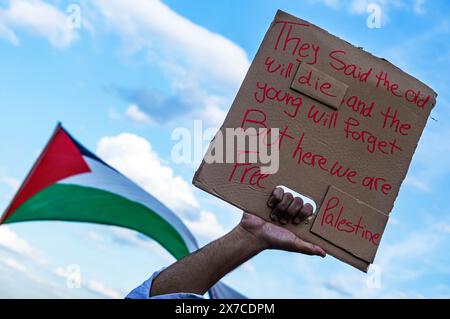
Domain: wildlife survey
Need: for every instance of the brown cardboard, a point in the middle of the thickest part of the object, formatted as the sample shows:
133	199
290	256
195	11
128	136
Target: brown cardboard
330	91
350	224
360	148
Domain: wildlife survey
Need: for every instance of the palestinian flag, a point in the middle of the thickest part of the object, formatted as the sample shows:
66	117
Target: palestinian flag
70	183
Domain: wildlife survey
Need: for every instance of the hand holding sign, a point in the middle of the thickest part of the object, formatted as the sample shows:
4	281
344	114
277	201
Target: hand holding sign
286	209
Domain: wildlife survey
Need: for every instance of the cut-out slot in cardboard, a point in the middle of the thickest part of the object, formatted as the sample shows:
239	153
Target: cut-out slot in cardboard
306	199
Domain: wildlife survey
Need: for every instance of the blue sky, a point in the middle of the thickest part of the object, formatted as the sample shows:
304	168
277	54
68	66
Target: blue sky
133	72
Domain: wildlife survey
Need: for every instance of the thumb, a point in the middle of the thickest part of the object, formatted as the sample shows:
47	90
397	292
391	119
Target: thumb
307	248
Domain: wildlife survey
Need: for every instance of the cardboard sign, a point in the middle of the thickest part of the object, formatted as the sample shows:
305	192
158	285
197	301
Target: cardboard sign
348	125
350	224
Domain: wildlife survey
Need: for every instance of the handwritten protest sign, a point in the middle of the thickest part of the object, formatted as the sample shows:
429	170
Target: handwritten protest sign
347	124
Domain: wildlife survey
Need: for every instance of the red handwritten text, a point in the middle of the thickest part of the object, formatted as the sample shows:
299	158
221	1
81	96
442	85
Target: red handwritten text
333	216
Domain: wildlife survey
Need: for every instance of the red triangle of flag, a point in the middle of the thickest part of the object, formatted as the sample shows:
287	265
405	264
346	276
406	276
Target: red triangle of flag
61	158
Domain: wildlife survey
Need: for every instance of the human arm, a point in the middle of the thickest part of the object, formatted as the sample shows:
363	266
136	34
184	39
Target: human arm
197	272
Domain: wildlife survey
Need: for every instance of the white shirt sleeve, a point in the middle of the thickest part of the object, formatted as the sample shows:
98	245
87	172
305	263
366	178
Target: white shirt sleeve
143	291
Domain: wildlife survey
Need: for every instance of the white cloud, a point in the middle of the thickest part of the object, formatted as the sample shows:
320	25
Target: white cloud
443	227
151	24
7	33
136	115
133	156
213	114
11	182
416	246
132	237
18	266
36	17
199	64
418	183
14	264
206	226
12	185
248	267
94	236
419	6
10	240
360	6
101	288
399	263
91	284
431	162
39	275
334	4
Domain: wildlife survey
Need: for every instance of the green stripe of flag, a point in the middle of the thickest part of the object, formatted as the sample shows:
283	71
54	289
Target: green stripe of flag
86	204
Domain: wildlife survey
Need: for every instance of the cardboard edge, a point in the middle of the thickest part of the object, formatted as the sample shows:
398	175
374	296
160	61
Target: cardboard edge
431	90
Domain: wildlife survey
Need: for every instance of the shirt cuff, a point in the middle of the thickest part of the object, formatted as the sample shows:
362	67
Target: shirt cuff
144	291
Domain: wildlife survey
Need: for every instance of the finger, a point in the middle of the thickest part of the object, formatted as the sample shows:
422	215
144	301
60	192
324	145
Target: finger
306	211
309	249
275	197
294	208
280	209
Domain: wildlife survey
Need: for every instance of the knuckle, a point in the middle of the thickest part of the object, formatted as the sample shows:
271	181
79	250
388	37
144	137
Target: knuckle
291	211
284	204
288	196
278	192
